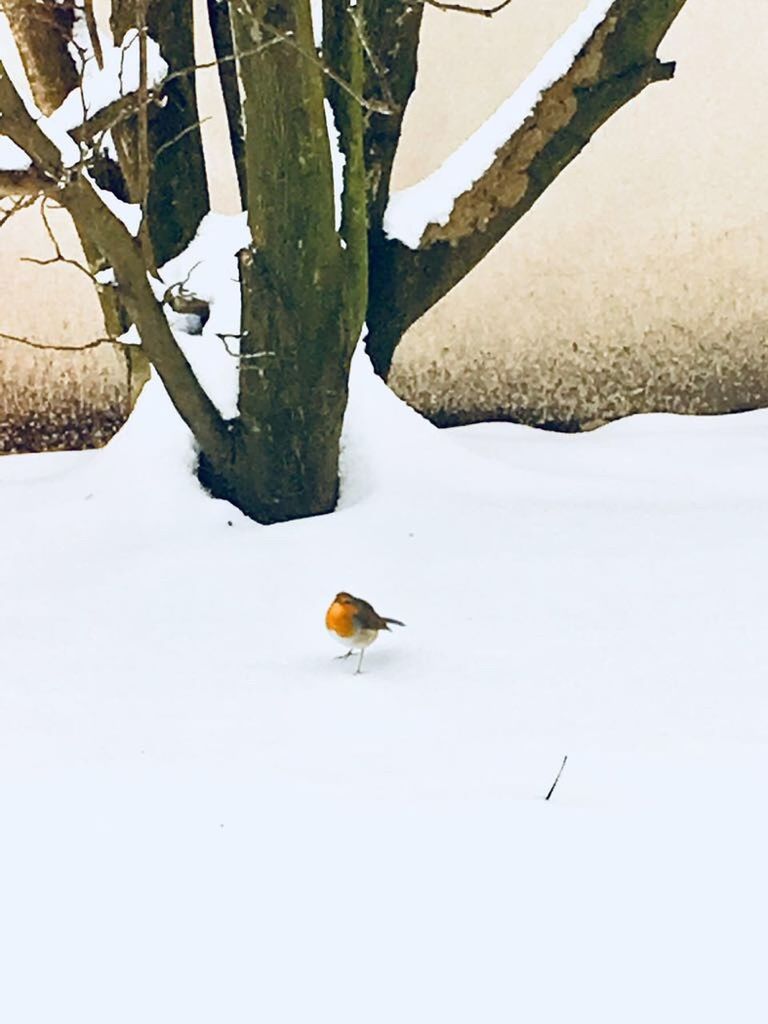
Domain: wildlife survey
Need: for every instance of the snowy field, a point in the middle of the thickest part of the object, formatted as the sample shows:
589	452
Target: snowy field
205	817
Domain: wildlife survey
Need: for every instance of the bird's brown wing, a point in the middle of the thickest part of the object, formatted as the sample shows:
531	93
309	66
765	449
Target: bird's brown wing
366	617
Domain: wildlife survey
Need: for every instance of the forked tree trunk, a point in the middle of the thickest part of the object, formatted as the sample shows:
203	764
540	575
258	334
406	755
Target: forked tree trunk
301	310
308	282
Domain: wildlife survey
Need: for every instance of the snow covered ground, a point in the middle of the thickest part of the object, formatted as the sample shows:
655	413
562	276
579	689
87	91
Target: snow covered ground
205	817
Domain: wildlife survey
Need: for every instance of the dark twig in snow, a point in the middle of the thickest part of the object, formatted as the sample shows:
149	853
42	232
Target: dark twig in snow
557	779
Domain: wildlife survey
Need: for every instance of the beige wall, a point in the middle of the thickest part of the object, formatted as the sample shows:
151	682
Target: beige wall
63	399
638	281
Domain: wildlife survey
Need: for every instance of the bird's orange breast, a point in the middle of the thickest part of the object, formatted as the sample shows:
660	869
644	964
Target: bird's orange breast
339	619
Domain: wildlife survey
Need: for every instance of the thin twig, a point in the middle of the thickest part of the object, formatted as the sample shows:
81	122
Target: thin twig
177	138
44	346
17	205
557	779
379	70
312	56
242	356
59	256
376	106
483	12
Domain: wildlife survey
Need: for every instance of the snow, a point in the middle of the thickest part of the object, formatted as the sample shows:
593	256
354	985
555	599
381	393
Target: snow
431	200
98	87
101	86
208	269
129	213
12	157
205	816
338	162
316	7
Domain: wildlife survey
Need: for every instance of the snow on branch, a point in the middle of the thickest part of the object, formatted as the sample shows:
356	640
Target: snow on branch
106	75
119	76
441	228
431	201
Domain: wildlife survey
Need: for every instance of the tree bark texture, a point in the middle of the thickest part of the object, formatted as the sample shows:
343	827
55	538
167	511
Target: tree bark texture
42	29
297	328
293	392
177	198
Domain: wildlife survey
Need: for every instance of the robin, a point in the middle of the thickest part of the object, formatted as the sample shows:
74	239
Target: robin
355	623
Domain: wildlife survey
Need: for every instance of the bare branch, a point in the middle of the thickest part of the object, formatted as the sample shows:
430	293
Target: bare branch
375	106
483	12
58	256
616	63
44	346
195	126
107	234
382	75
185	302
22	183
16	206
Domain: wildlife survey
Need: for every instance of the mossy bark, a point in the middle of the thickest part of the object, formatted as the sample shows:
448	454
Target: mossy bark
302	299
177	198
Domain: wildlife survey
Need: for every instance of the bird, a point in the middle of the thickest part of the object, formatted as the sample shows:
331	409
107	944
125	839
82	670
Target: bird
355	623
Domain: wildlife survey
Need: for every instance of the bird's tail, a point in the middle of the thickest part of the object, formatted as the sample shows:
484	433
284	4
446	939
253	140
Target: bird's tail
393	622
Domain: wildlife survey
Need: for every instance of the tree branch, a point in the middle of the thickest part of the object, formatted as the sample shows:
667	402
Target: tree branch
16	205
111	238
22	183
44	346
391	34
58	255
483	12
616	63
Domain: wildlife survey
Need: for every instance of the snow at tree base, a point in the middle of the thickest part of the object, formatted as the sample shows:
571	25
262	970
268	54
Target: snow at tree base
206	816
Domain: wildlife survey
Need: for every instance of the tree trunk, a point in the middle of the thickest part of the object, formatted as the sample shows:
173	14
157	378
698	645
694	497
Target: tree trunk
284	461
177	198
300	317
42	30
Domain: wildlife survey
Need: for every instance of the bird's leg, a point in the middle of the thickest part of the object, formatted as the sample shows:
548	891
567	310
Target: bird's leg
360	661
341	657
